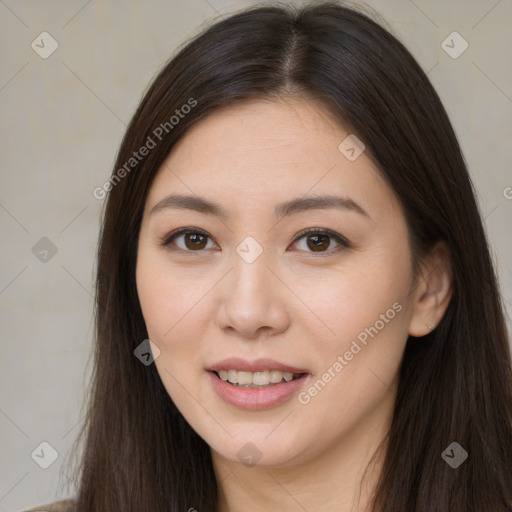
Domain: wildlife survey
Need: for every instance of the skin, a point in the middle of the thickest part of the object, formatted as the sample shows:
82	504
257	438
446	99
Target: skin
293	304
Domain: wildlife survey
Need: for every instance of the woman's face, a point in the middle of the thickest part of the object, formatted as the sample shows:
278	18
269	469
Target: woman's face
245	295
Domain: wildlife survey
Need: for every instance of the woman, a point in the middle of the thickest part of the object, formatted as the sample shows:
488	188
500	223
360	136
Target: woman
291	223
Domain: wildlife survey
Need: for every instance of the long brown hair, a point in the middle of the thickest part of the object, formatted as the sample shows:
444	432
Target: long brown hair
139	453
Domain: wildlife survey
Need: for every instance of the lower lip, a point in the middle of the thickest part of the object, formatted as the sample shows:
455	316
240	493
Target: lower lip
255	399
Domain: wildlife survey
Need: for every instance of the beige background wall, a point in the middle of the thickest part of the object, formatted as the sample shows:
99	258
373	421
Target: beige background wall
62	121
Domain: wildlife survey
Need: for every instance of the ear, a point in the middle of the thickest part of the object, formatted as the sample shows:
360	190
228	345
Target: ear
433	292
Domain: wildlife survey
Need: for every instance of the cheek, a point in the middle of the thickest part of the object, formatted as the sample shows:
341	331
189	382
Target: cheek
168	296
174	316
358	365
366	312
370	293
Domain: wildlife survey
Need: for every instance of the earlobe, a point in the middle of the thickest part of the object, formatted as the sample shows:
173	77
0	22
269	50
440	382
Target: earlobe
434	290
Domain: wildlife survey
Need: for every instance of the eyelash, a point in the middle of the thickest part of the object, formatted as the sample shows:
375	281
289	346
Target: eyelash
344	244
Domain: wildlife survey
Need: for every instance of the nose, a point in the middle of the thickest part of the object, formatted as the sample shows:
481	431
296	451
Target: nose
253	299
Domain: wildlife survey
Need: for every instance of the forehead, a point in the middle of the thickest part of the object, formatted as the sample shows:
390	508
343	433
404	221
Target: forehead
261	132
264	152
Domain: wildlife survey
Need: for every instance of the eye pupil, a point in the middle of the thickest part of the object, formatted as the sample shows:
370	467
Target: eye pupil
198	240
316	244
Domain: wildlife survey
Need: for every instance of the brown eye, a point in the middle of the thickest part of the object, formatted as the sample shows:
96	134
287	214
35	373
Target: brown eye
317	241
320	241
187	240
194	241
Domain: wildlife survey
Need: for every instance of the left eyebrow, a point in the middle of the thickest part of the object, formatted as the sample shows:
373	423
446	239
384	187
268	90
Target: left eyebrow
287	208
325	202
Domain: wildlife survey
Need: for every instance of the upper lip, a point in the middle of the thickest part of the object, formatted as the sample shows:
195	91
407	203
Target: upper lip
257	365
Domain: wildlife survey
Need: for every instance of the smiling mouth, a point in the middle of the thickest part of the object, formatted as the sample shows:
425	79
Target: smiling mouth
256	380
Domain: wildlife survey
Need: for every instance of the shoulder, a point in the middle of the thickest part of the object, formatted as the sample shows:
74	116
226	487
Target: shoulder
56	506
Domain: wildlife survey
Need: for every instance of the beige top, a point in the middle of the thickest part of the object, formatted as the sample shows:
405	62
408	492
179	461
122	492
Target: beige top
56	506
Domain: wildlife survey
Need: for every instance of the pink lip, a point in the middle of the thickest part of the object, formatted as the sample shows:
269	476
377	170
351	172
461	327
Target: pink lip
258	365
255	398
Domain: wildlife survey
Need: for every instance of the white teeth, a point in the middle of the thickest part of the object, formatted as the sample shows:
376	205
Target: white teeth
261	378
276	376
256	379
244	378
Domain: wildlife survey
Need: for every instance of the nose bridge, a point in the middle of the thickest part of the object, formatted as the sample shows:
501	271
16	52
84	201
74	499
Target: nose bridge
250	275
250	300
